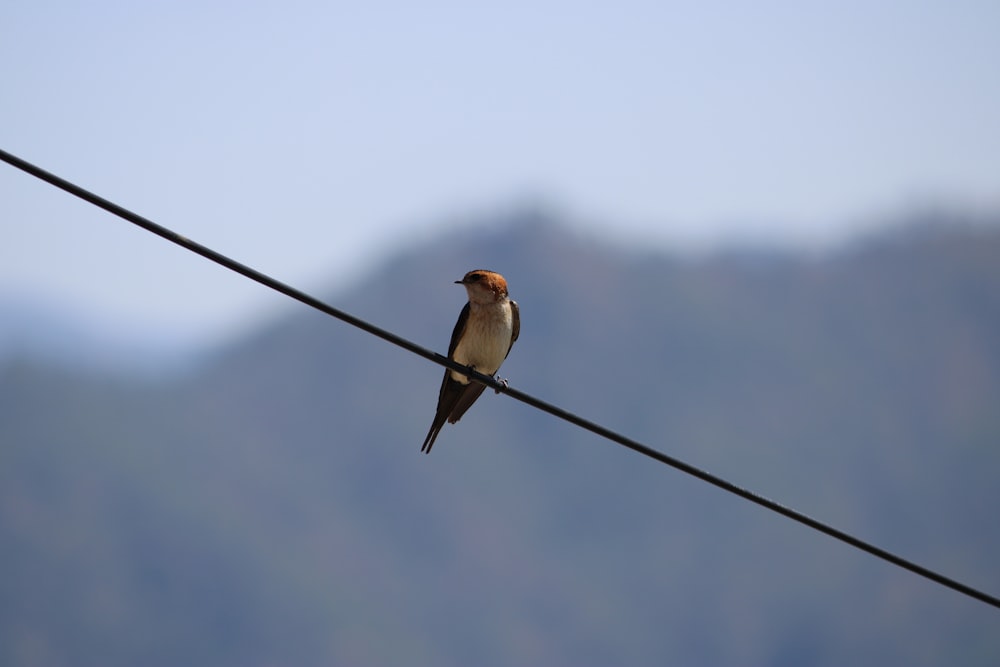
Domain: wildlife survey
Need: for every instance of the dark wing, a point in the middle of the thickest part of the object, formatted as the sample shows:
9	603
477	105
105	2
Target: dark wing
515	314
470	392
456	334
451	391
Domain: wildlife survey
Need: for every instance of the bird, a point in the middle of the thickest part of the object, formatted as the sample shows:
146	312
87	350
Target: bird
486	329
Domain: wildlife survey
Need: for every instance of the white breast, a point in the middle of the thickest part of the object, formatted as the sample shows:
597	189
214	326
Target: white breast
486	340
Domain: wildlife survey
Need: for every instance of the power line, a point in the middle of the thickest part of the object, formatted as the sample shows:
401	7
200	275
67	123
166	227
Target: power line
491	382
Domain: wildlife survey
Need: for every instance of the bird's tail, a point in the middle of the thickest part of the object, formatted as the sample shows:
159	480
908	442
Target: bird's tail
432	435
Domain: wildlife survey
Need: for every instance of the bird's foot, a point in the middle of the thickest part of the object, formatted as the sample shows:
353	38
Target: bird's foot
503	382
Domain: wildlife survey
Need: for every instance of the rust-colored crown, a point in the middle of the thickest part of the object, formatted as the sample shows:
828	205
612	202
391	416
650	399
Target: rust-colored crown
490	280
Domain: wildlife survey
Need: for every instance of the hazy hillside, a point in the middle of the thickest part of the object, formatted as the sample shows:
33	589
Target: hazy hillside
61	335
273	507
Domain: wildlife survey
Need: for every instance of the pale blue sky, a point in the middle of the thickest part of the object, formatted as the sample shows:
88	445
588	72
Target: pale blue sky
308	138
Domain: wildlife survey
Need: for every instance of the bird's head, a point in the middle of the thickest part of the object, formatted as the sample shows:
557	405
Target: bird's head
484	286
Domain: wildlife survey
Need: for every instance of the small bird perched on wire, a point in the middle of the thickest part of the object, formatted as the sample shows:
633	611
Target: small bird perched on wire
486	330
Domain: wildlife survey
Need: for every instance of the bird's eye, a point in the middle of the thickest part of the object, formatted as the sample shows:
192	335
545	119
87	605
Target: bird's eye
475	276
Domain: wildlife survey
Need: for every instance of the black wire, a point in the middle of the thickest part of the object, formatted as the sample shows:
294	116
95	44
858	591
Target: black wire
491	382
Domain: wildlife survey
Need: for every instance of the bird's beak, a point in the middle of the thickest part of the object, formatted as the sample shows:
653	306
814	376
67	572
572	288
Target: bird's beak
460	282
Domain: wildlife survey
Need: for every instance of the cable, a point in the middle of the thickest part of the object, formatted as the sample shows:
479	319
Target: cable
492	383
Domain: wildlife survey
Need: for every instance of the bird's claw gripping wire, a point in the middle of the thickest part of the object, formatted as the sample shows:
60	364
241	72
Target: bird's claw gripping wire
503	382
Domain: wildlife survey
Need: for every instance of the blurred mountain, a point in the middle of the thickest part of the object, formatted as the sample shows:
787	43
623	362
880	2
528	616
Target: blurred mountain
60	335
273	507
